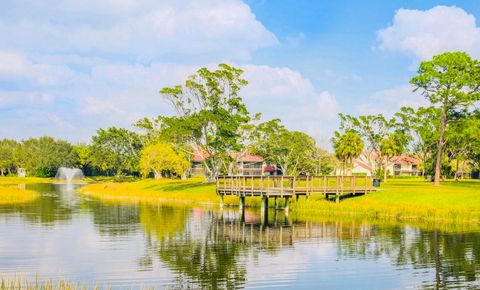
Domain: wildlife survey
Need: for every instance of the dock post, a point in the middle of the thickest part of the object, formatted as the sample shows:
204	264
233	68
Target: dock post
276	202
287	206
264	210
221	201
242	203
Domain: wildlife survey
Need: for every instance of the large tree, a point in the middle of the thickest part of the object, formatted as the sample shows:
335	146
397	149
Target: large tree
422	126
162	159
43	156
116	150
8	156
451	82
292	151
210	115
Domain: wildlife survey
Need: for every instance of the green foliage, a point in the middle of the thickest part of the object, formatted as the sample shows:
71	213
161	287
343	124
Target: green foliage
116	151
294	152
347	146
161	158
42	156
9	150
210	115
451	82
422	125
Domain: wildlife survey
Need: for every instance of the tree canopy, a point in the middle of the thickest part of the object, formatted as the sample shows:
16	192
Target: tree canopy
451	82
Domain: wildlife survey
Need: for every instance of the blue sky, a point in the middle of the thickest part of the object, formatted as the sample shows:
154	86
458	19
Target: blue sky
70	67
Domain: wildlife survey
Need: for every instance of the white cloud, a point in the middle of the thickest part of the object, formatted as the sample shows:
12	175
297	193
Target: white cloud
284	93
423	34
143	29
389	101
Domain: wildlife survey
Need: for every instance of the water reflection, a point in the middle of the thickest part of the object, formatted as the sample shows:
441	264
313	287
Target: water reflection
180	247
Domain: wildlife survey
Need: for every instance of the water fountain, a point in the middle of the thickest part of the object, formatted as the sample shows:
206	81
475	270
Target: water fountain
69	174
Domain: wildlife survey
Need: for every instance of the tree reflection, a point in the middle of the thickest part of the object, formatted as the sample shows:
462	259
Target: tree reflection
48	209
454	257
188	244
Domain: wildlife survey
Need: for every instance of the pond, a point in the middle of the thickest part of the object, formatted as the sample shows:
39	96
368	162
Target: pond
65	236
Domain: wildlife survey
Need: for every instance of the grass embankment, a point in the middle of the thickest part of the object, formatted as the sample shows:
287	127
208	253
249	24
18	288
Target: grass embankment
401	199
24	180
13	194
192	191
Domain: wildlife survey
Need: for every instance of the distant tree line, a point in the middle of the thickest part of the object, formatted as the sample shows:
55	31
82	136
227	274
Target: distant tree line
445	136
211	124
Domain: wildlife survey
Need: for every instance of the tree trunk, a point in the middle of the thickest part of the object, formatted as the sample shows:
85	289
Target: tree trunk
385	170
157	174
438	164
456	171
1	170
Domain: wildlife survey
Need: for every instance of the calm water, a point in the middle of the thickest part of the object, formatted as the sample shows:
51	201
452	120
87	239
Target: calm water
65	236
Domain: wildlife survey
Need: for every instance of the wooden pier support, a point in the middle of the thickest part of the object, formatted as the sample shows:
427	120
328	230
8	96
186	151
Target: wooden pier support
222	203
264	210
242	203
276	202
287	205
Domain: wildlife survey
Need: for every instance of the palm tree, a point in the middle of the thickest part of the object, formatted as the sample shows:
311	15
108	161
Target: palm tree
347	147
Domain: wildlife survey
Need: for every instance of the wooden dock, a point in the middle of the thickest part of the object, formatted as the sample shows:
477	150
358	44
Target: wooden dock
292	186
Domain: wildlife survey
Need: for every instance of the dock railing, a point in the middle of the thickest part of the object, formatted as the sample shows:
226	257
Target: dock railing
288	186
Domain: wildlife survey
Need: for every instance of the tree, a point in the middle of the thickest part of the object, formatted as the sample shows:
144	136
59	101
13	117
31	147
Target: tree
84	157
116	150
322	162
8	156
43	156
210	115
347	146
390	146
422	125
451	82
373	129
292	151
160	158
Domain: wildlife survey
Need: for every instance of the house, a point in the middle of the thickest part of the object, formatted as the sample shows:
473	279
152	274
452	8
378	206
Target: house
247	164
402	165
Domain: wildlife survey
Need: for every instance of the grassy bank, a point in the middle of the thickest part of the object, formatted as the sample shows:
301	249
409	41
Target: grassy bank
400	199
13	194
24	180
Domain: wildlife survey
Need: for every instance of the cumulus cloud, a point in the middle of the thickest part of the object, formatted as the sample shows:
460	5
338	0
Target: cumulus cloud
280	92
389	101
423	34
145	29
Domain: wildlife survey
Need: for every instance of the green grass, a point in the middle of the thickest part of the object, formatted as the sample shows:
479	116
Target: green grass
13	194
399	199
21	283
24	180
406	199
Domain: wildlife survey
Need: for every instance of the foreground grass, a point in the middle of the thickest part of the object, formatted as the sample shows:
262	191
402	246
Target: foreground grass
20	283
13	194
400	199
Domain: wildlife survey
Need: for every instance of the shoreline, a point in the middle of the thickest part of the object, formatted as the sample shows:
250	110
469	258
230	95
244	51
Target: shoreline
402	200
